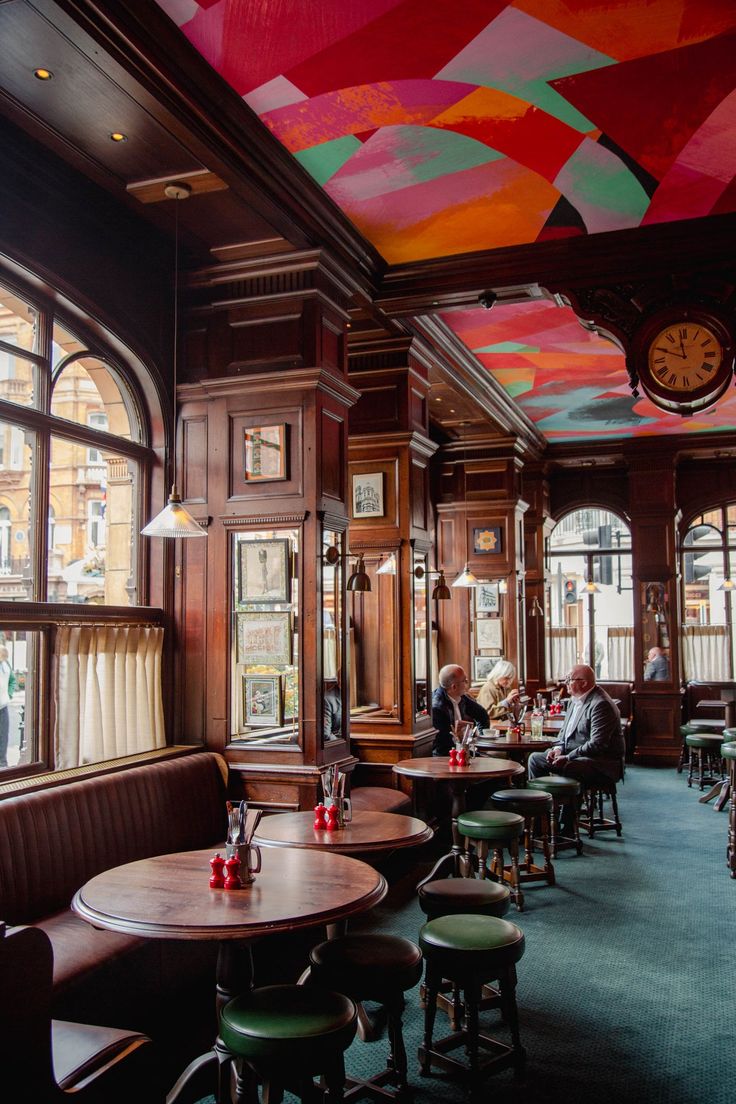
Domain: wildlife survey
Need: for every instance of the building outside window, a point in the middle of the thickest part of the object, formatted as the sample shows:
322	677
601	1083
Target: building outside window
708	560
589	596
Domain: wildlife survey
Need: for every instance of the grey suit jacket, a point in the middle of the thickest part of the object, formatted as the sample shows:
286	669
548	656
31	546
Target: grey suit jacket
596	734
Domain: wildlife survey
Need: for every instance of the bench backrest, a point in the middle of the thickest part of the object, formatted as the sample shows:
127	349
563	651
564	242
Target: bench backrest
54	840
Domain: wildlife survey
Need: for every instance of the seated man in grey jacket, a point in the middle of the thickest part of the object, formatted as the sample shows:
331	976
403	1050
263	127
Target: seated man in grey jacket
591	745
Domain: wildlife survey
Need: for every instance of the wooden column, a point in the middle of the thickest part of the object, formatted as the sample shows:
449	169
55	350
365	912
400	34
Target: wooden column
265	346
652	503
480	489
389	439
537	527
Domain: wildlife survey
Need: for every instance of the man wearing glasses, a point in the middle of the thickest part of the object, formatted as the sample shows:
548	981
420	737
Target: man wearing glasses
591	745
451	703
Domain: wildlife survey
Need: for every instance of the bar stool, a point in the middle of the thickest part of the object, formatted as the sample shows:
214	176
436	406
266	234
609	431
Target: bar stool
470	951
378	968
564	793
728	751
285	1035
704	750
534	806
484	830
694	728
454	897
592	817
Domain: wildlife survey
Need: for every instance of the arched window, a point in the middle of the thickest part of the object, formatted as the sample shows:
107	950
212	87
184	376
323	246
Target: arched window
589	600
708	566
72	430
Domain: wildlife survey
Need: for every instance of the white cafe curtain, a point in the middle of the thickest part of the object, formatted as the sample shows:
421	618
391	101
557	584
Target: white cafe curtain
705	652
621	653
108	692
563	650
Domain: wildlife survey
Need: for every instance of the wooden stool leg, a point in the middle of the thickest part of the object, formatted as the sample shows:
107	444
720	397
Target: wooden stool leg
432	984
576	827
335	1081
397	1057
507	987
472	998
553	827
528	842
515	880
731	851
614	810
690	766
549	870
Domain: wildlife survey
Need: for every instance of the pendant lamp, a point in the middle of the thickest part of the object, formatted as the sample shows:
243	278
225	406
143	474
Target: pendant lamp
175	520
466	578
388	567
728	584
360	579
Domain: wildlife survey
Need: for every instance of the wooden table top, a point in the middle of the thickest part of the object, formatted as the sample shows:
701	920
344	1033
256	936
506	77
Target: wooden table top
524	743
168	896
552	725
438	767
367	832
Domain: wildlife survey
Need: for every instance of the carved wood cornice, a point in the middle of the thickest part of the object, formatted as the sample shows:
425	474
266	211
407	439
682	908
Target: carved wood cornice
464	372
230	522
292	379
415	442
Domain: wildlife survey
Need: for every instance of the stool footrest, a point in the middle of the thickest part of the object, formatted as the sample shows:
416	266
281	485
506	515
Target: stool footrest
504	1055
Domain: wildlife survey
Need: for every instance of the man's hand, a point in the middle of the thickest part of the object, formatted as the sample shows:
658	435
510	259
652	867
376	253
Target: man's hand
560	760
553	754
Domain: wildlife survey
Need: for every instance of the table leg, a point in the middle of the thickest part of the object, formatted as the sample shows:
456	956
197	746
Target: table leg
455	860
211	1072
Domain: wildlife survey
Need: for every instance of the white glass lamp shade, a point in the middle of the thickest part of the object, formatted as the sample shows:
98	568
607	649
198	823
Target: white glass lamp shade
174	521
466	578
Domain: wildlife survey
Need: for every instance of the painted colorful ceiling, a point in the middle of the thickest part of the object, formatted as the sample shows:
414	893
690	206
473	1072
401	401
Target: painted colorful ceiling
570	382
449	126
443	127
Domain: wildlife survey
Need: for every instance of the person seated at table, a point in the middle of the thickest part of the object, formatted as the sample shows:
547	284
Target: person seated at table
496	695
658	666
591	745
451	703
331	711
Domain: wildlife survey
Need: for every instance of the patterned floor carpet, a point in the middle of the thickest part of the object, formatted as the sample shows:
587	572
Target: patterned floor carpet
625	992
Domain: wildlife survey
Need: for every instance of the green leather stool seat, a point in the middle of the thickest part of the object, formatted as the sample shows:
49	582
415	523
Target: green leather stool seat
486	824
523	802
728	750
705	725
704	739
296	1026
555	784
367	967
454	896
729	734
469	945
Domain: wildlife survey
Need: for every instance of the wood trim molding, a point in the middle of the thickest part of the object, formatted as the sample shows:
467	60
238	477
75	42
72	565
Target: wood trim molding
230	522
296	379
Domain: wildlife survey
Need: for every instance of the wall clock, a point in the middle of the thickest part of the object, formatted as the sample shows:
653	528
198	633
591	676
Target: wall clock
683	357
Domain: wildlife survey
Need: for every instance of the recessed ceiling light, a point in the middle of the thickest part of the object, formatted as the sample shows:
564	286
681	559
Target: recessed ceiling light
118	136
43	74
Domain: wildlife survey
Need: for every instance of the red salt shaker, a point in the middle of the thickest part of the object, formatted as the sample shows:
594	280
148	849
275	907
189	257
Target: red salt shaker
332	822
232	877
320	817
217	881
453	758
461	758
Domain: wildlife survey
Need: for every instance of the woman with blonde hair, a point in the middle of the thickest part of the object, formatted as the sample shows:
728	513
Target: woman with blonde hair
495	694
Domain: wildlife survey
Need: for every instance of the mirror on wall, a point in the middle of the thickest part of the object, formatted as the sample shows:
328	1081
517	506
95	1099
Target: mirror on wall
422	686
655	630
374	640
333	690
265	638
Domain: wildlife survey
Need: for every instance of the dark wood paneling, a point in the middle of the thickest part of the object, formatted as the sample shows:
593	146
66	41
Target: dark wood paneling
194	449
377	409
390	469
418	411
419	493
333	455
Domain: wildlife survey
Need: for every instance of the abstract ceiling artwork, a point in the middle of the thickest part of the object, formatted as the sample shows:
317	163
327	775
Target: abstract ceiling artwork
442	128
571	383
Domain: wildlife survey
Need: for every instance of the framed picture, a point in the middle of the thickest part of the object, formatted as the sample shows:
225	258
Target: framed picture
263	571
482	666
264	638
486	598
487	540
489	634
262	700
265	453
368	495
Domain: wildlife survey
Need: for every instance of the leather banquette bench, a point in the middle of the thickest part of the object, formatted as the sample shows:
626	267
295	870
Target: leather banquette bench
55	839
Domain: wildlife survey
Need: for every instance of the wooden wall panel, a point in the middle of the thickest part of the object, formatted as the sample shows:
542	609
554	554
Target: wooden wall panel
419	492
390	469
292	486
194	450
333	456
377	410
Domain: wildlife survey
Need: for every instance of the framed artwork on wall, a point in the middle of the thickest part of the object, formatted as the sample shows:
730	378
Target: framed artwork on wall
265	453
263	571
487	541
368	495
262	700
489	634
482	666
264	638
486	598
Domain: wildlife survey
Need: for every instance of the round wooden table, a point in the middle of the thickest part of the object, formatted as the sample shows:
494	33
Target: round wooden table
459	779
367	833
168	897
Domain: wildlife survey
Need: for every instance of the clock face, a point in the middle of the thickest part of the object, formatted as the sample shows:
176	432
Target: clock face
685	357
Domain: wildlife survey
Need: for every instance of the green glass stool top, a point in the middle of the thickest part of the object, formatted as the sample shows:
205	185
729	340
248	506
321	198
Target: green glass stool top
486	824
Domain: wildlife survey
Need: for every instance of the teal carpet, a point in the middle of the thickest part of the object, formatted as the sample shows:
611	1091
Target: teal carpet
626	992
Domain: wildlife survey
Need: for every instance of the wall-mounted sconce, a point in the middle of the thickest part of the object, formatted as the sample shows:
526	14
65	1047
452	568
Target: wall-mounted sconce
359	580
441	592
536	610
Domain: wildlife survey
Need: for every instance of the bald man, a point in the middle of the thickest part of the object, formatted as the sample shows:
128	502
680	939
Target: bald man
451	703
591	746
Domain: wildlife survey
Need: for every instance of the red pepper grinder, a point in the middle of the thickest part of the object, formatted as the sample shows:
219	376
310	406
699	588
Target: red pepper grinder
232	877
453	757
320	817
460	758
332	822
217	881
